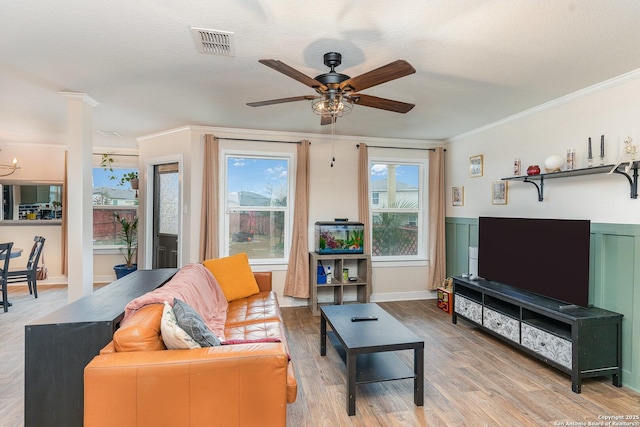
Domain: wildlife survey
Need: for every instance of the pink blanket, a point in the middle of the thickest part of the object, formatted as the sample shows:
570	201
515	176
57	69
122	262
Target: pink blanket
196	286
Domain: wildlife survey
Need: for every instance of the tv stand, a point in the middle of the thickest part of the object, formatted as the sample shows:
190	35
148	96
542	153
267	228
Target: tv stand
582	342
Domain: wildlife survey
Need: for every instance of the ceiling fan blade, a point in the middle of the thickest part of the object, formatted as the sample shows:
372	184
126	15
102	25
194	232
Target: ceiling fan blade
326	120
392	71
292	72
280	101
381	103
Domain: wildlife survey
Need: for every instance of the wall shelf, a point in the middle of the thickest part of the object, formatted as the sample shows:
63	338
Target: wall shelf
538	180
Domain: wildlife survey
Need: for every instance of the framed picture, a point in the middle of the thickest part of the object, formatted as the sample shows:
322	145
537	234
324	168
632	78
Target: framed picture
499	191
457	196
475	166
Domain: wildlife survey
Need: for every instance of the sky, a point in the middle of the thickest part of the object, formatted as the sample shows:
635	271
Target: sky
409	174
101	177
262	176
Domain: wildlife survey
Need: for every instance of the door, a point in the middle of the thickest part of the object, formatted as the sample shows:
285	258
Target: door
166	215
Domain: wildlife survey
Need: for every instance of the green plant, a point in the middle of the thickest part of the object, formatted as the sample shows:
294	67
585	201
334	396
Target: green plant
127	177
388	234
129	235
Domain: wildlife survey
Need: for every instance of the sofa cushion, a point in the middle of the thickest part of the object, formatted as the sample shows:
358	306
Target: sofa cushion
234	275
192	324
254	309
141	332
174	337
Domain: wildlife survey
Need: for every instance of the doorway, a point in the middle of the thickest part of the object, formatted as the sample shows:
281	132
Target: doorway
166	215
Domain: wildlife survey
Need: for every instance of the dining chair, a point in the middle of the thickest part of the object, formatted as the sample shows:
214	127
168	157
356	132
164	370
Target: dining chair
28	274
5	255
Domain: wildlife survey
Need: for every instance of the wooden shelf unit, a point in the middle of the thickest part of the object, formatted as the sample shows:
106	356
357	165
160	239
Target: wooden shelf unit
338	286
582	342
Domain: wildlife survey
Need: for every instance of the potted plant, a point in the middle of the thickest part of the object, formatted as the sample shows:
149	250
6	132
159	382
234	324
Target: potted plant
129	235
131	178
106	162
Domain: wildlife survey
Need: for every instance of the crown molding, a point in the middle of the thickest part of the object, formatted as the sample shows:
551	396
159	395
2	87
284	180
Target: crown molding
590	90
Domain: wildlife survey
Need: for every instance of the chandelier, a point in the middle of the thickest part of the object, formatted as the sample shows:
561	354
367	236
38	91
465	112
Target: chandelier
332	105
6	170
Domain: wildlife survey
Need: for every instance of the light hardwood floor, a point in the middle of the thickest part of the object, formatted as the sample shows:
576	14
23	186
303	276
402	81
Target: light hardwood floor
471	379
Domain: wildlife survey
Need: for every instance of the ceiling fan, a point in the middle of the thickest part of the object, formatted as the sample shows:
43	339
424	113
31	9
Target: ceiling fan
337	93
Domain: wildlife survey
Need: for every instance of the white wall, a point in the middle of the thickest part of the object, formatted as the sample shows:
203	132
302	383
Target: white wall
611	109
333	193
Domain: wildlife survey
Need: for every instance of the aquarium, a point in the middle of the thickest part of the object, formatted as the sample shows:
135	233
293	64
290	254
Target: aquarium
339	237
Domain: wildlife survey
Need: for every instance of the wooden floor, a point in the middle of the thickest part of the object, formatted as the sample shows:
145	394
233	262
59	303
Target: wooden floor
471	379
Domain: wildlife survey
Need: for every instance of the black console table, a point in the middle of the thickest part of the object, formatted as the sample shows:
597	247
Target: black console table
583	342
60	345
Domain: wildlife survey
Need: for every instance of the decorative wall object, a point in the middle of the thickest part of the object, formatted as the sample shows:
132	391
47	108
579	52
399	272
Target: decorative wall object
475	166
499	193
457	196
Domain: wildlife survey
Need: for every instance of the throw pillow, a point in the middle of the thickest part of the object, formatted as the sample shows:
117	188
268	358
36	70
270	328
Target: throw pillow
191	322
234	275
141	332
174	337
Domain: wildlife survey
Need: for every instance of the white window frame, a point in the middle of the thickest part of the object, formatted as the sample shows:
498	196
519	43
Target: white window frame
422	210
288	210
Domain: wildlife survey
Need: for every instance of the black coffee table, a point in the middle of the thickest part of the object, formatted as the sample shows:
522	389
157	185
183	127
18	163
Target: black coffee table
367	348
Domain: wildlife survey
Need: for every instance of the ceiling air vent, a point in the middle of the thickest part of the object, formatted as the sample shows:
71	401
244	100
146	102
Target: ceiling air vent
214	42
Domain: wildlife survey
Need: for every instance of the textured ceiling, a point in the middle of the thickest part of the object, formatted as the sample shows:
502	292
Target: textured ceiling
476	61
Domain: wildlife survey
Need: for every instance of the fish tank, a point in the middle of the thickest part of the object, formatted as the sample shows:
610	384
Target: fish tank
339	237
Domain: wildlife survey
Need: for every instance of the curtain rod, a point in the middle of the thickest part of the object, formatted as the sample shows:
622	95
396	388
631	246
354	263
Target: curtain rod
399	148
258	140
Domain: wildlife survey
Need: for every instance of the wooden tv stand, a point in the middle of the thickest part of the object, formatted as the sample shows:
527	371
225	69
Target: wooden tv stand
583	342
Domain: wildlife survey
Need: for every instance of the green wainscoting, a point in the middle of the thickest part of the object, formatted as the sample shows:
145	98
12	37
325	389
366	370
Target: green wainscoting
614	278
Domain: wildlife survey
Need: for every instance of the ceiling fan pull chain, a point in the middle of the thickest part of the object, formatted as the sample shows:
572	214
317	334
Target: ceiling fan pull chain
333	140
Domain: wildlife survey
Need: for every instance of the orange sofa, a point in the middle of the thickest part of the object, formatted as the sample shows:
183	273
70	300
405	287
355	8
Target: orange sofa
248	383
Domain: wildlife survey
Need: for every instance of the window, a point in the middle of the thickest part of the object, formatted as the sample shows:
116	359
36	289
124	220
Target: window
397	209
257	206
111	194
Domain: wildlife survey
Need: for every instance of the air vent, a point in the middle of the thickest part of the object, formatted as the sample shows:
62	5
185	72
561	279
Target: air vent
214	42
109	133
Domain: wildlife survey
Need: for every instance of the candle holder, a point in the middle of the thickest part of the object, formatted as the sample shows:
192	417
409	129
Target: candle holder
590	162
601	160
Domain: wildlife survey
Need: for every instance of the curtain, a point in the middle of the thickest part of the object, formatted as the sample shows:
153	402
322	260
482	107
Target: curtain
209	214
437	253
363	201
297	280
63	238
363	195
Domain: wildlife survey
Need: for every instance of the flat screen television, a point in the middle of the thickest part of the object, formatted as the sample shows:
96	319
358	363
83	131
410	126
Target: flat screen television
549	257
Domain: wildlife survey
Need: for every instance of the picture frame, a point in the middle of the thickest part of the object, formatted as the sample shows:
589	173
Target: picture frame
476	166
457	196
499	192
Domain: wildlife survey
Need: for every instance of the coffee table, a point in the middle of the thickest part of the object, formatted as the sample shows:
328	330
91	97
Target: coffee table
367	347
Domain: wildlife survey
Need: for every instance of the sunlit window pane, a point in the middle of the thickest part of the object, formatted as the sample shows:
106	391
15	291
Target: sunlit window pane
110	195
257	206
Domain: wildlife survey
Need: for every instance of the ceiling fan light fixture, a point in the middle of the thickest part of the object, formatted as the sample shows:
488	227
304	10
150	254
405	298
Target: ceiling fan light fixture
332	106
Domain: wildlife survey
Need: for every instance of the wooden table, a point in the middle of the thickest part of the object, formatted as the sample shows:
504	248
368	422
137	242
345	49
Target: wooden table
367	347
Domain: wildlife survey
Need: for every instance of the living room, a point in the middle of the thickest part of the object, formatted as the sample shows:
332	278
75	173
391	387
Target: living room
529	128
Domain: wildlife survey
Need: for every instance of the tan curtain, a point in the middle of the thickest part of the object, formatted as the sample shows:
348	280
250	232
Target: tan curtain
437	253
209	214
363	195
63	238
363	201
297	280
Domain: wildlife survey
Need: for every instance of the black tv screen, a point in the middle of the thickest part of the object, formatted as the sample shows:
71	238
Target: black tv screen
549	257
